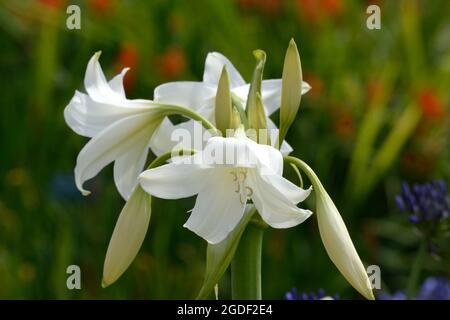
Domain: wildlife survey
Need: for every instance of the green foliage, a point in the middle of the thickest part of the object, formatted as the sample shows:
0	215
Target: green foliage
377	114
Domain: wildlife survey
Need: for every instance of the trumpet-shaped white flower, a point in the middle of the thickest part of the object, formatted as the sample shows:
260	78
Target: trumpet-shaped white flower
227	173
120	128
200	96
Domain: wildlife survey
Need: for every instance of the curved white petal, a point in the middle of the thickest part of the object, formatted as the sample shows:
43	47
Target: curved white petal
274	207
127	237
213	68
128	166
95	82
294	193
270	93
175	180
270	160
161	140
193	95
111	143
217	209
88	117
116	83
231	152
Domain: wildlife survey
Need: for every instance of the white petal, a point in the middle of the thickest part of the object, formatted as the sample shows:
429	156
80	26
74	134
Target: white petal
231	152
127	237
217	209
270	93
111	143
269	158
95	82
128	167
161	140
116	83
294	193
213	68
88	117
274	207
193	95
175	180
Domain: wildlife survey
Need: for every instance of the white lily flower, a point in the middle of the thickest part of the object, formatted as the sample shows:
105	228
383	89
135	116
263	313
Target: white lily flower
224	182
200	96
120	128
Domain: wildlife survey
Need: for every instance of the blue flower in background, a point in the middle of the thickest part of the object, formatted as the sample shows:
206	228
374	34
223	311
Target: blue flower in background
433	288
321	295
424	202
399	295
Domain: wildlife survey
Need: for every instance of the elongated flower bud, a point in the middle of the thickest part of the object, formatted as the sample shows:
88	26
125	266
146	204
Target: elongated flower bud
127	237
339	245
256	114
335	236
223	110
291	92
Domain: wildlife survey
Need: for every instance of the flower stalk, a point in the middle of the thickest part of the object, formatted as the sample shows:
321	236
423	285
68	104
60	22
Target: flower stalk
246	265
413	280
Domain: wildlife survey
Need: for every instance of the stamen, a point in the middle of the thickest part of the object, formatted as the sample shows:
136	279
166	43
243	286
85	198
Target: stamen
249	191
234	174
244	175
240	199
238	188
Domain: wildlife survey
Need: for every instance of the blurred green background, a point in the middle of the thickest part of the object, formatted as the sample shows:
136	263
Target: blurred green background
377	115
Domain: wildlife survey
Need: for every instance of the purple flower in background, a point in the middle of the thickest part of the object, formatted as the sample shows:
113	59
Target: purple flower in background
433	288
399	295
293	294
424	202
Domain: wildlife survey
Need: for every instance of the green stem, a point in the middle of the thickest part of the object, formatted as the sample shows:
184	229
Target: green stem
414	276
189	113
246	265
167	155
240	108
306	169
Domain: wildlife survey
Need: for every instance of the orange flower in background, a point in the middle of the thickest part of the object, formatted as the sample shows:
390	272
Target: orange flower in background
432	107
172	63
309	10
52	4
270	6
100	7
375	90
332	7
417	164
344	126
317	10
128	58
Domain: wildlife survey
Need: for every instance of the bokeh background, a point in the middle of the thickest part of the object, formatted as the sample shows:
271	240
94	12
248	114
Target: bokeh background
377	115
